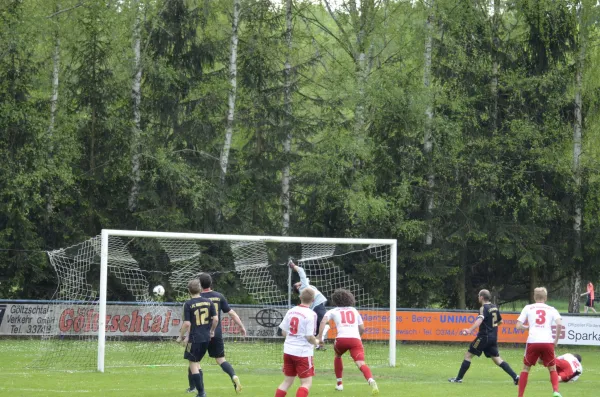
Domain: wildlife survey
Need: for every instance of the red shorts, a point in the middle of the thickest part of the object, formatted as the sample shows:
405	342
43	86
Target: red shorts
342	345
302	367
564	370
535	351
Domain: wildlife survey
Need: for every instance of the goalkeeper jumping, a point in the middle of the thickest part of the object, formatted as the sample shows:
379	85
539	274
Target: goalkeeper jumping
318	305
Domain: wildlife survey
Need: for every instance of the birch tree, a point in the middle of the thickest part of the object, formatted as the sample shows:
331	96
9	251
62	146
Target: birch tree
136	98
53	106
577	134
287	143
233	52
231	97
354	37
428	133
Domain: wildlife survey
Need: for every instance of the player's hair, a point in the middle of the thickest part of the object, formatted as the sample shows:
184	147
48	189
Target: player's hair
307	295
485	294
342	298
205	280
540	294
578	357
194	286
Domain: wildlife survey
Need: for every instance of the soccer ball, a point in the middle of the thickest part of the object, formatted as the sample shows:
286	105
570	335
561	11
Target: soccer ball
159	290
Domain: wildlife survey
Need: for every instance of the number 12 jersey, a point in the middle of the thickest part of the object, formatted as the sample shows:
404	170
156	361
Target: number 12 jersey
347	320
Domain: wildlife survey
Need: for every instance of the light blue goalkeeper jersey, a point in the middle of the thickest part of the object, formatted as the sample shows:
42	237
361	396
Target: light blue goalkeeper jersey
319	297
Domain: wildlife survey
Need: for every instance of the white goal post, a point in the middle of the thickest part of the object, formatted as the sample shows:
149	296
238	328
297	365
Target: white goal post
104	270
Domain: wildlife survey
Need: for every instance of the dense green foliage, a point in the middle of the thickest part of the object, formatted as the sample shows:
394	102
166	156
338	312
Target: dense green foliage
501	87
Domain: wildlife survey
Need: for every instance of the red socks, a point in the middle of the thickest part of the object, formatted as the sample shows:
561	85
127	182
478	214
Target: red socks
302	392
338	366
523	382
554	380
366	371
280	393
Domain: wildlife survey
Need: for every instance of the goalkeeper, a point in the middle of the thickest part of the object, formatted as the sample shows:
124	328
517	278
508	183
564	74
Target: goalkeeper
318	305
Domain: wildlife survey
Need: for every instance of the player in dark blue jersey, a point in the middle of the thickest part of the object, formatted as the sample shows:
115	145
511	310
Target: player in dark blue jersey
201	319
216	347
487	338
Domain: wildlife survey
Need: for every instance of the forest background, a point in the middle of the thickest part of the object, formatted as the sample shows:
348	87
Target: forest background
468	130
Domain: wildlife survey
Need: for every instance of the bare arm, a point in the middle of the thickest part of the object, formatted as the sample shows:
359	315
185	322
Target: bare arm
558	330
213	326
312	339
361	329
322	327
284	333
236	319
520	325
184	328
475	325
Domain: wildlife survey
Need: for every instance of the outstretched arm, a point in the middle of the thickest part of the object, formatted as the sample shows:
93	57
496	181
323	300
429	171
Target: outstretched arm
300	272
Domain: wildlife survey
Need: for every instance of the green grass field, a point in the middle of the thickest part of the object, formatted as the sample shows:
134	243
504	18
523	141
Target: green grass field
422	370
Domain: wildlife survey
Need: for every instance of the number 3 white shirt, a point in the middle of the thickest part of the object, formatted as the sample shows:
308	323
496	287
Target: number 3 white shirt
541	318
347	320
299	322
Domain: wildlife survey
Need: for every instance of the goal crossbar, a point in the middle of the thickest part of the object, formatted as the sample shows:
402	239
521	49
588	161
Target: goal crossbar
106	233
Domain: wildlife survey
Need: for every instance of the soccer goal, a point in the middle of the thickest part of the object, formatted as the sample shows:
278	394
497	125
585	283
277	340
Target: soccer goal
104	312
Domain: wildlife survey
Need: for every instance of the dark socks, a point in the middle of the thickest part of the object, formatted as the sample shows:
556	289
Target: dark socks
199	382
464	367
508	370
191	380
227	368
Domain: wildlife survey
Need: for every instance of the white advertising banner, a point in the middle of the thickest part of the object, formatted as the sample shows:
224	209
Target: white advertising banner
580	330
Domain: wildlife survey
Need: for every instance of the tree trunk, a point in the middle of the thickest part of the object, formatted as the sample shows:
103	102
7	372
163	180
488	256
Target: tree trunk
224	160
136	96
53	110
495	68
533	282
577	134
287	144
428	133
361	80
233	49
461	281
55	76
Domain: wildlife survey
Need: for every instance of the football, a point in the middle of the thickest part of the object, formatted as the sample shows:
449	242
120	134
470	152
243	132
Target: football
159	290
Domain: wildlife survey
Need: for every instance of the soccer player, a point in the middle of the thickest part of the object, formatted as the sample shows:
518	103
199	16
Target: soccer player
486	341
568	367
216	347
540	342
350	328
589	304
298	328
200	318
318	306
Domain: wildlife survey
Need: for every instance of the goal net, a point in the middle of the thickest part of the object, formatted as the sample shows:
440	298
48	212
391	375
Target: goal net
104	313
